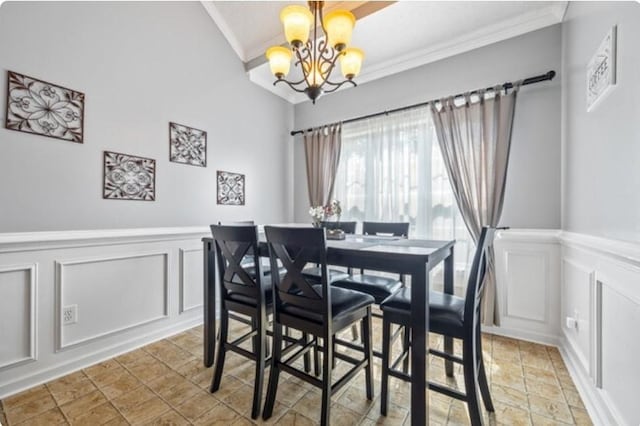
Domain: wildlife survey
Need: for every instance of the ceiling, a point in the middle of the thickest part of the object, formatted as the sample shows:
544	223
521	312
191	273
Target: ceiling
396	36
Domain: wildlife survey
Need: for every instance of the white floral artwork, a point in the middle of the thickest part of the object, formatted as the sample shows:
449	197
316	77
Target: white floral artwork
127	177
42	108
187	145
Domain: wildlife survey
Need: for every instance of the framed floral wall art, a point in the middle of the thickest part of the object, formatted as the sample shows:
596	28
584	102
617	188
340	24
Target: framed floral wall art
230	188
187	145
128	177
43	108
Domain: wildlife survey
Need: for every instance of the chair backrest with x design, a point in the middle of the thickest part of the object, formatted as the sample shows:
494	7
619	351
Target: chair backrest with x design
294	248
234	244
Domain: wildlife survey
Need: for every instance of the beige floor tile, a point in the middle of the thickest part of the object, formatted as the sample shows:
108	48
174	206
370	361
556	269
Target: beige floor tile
178	394
71	387
104	373
511	416
197	405
145	412
31	395
539	420
581	417
241	400
557	410
124	383
51	417
29	409
82	405
219	415
117	421
544	388
573	398
169	418
133	398
293	418
548	376
355	399
289	393
509	396
97	415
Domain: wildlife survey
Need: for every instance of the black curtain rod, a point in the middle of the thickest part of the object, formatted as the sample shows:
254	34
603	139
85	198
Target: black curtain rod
508	85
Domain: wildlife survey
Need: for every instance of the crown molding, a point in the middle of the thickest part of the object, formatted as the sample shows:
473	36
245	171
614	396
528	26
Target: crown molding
225	29
500	31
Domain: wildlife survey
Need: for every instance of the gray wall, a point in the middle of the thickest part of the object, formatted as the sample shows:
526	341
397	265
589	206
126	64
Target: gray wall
140	65
601	161
532	198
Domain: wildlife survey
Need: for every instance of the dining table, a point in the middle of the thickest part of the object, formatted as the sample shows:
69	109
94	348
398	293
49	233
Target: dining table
411	257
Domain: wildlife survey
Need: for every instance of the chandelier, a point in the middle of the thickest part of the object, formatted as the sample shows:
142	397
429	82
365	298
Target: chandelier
318	55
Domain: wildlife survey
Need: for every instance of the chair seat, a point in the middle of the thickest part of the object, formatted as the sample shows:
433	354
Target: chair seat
313	274
343	302
248	300
377	286
446	311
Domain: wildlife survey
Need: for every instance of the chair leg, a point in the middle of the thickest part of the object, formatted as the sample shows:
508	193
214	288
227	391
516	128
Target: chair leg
448	348
354	332
368	353
306	356
327	363
406	341
386	354
482	376
261	346
470	381
274	374
222	350
254	339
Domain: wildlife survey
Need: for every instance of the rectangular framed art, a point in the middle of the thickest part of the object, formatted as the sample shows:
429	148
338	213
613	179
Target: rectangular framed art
230	188
601	70
43	108
187	145
128	177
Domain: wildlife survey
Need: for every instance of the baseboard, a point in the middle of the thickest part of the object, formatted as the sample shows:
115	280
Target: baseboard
86	360
530	336
596	406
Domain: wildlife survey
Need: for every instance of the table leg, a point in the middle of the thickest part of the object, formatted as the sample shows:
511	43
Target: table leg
419	350
448	288
209	303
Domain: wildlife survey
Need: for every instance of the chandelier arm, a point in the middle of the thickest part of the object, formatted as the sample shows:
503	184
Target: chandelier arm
290	84
338	85
303	61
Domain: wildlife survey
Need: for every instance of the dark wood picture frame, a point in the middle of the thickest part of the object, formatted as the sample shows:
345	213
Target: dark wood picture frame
117	190
48	97
190	133
230	188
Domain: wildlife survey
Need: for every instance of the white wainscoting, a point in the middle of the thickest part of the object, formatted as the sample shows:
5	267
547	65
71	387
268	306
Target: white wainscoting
191	267
528	284
131	287
18	312
601	291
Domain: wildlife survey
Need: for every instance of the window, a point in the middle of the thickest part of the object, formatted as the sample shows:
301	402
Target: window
391	169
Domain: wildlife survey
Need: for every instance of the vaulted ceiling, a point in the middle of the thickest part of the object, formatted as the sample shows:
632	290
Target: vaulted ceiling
396	36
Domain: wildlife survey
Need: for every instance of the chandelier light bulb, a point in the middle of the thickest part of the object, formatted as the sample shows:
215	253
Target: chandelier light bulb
297	21
279	60
351	62
339	26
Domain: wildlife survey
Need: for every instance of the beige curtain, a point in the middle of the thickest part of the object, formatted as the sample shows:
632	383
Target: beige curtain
322	153
475	139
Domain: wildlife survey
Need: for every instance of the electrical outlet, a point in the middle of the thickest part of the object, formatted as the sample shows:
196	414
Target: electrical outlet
70	314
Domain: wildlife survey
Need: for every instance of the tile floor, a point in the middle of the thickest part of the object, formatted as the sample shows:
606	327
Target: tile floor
165	383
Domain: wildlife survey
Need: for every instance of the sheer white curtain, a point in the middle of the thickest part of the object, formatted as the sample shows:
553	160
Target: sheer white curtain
391	169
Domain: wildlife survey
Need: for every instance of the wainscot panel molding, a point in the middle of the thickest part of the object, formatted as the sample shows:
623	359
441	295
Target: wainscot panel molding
18	307
528	284
599	328
129	287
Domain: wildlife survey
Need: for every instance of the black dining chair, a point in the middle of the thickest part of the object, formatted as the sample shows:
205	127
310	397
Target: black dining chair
313	272
448	316
378	286
320	310
242	293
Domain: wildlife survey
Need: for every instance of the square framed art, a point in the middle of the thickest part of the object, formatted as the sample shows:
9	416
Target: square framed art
187	145
129	177
230	188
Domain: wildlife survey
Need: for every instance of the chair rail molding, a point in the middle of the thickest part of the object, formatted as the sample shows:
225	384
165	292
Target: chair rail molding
127	286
